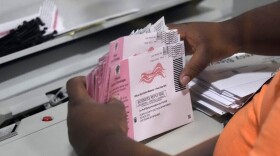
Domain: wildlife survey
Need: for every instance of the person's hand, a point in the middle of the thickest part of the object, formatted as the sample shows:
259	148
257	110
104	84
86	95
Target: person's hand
90	123
207	42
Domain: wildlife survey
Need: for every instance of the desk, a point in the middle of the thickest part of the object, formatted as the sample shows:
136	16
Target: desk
36	137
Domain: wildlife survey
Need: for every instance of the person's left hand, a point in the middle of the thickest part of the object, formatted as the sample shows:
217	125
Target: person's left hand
89	123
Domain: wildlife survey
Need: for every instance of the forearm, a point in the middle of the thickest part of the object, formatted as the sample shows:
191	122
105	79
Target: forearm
258	31
119	144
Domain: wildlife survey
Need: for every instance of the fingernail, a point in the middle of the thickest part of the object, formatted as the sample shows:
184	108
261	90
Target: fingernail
185	80
116	97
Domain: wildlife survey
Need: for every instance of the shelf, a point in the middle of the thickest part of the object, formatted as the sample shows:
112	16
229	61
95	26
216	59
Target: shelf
81	18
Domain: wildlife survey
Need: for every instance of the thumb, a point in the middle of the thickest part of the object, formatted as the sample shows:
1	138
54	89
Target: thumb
197	63
115	101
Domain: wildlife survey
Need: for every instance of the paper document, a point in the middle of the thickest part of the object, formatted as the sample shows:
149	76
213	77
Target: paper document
142	70
225	86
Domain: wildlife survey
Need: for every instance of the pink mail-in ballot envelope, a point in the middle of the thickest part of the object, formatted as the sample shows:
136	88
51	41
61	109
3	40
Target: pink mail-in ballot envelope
148	85
127	46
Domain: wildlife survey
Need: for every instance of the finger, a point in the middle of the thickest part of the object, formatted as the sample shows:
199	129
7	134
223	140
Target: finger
76	89
197	63
115	102
182	28
172	26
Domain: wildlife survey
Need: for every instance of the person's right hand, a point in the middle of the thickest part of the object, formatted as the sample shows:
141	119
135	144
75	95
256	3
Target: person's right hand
208	42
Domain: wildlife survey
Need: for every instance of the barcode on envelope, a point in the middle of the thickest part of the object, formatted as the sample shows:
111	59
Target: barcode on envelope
168	37
176	50
177	68
158	27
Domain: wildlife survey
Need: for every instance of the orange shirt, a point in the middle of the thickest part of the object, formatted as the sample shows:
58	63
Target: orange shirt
255	129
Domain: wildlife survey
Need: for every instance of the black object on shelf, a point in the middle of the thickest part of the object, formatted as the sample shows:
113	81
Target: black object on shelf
28	34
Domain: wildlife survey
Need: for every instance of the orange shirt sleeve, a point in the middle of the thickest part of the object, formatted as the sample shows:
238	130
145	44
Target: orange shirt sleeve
255	129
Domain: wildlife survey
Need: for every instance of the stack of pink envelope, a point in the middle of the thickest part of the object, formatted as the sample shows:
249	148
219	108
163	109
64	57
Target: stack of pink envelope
142	70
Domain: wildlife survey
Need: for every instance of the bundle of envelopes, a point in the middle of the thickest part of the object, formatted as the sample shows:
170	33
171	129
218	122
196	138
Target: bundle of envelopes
142	70
225	86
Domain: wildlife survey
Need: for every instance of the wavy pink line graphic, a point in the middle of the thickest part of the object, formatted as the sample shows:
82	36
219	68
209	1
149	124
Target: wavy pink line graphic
151	49
148	77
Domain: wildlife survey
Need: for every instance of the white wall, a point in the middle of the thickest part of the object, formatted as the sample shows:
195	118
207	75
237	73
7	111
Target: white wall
240	6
